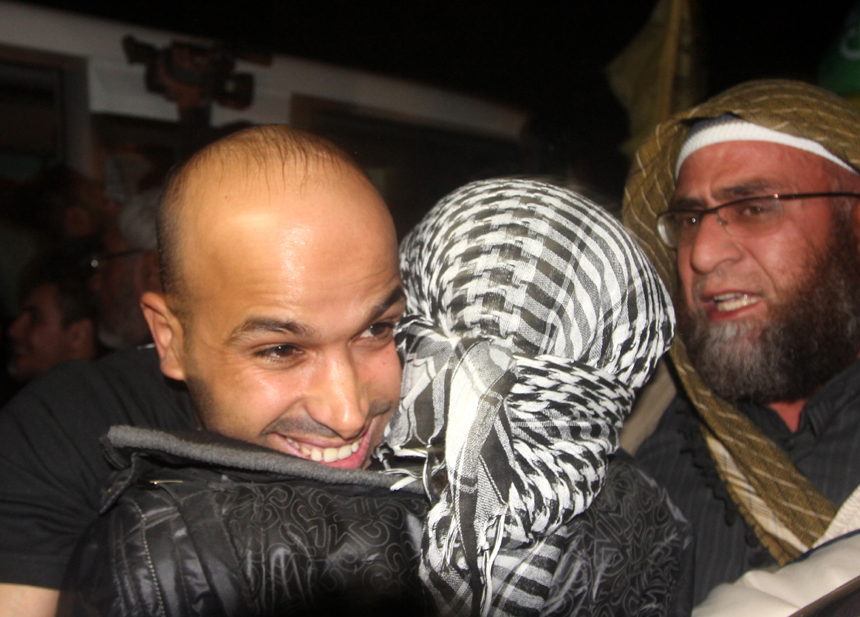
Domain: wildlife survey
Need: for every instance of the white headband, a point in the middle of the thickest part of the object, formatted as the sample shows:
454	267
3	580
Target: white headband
731	128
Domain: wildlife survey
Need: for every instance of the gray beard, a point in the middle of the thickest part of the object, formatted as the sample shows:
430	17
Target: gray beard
811	335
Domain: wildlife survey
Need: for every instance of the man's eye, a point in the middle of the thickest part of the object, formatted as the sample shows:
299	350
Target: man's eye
380	330
278	352
688	219
755	212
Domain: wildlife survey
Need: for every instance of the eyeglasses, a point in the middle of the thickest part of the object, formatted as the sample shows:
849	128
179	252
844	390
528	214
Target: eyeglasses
96	261
742	218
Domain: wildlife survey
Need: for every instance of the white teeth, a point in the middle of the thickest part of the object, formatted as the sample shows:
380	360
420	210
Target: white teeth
733	302
327	455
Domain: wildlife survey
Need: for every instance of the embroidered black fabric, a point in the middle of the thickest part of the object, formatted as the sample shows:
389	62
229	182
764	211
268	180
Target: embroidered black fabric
182	538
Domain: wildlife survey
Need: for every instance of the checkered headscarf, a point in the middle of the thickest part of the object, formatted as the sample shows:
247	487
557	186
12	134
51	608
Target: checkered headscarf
533	317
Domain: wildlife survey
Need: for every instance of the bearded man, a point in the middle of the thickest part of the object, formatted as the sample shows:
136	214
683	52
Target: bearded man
747	205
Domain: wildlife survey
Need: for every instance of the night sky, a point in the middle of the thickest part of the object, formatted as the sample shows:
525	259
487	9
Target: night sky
546	58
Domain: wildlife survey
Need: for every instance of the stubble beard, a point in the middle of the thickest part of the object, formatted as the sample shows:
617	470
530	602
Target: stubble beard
809	335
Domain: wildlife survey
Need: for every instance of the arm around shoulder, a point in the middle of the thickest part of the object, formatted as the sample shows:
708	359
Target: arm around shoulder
27	601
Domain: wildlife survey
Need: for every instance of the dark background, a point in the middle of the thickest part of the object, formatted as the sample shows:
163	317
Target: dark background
545	58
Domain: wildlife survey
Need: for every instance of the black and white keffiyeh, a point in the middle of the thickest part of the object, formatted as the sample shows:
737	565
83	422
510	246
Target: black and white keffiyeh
532	319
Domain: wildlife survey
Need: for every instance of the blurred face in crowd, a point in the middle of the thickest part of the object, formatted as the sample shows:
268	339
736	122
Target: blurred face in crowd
122	275
39	338
750	307
86	216
291	294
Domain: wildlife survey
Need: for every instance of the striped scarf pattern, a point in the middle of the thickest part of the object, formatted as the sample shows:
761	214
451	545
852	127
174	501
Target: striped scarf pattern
533	317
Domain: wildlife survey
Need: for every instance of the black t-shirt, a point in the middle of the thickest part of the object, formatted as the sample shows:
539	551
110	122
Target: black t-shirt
51	465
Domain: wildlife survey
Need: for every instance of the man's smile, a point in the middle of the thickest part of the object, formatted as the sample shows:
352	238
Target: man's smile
348	455
734	301
720	302
326	455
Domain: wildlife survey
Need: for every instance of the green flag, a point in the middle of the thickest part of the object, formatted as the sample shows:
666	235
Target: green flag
840	67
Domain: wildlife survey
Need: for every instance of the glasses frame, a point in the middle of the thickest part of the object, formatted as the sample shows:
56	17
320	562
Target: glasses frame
702	212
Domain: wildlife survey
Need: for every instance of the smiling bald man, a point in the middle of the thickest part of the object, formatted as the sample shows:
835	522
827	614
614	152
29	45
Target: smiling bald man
281	292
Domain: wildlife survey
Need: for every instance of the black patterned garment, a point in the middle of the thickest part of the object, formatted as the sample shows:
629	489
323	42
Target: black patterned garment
533	317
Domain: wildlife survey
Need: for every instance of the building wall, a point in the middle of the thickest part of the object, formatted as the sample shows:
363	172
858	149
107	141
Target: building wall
116	87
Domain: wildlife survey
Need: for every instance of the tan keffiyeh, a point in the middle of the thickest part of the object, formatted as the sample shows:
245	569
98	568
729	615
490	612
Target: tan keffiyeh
787	513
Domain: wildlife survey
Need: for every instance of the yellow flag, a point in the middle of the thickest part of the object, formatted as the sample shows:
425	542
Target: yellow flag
658	73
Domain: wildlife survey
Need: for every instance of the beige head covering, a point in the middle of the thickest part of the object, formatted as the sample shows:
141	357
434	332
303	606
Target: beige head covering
787	513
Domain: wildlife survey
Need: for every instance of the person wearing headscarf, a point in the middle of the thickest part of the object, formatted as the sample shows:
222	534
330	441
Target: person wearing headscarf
532	318
759	451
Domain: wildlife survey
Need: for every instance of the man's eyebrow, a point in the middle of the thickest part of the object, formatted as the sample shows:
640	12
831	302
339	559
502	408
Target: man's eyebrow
737	191
397	295
687	203
756	188
257	325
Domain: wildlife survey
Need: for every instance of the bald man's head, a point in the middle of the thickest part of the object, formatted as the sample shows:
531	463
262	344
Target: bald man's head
273	149
282	292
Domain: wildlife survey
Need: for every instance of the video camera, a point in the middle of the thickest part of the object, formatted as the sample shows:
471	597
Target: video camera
211	71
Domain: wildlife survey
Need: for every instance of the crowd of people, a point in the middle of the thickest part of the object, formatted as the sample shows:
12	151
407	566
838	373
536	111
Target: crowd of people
78	296
290	413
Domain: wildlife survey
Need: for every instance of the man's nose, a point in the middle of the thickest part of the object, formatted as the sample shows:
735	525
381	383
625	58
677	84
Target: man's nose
339	402
712	246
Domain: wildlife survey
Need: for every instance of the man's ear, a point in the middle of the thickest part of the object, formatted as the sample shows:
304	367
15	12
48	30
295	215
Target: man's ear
167	332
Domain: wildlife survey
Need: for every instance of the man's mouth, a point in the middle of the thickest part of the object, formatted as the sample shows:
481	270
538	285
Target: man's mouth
326	455
734	301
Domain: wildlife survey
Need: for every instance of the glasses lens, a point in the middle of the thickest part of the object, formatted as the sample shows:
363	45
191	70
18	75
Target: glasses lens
666	231
752	217
676	226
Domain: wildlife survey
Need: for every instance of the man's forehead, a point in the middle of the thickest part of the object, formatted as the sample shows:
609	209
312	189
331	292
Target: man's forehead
745	168
234	188
278	226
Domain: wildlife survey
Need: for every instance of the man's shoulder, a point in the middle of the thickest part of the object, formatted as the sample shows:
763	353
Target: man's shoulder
676	455
52	468
138	364
671	436
124	387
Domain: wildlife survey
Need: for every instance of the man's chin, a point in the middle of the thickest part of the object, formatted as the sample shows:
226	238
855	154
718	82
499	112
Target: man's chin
729	336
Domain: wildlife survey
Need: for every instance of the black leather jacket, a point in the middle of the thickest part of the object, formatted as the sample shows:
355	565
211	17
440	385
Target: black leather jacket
201	525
